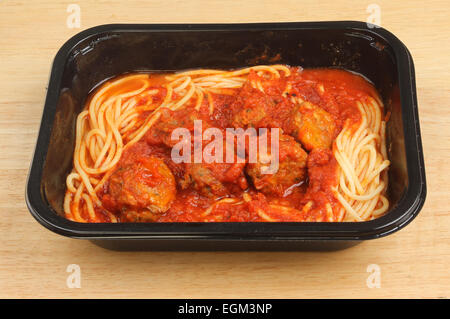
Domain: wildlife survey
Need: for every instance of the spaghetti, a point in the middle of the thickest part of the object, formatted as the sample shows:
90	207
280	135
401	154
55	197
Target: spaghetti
338	120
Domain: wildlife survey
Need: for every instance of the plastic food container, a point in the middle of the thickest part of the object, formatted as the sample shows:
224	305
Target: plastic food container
102	52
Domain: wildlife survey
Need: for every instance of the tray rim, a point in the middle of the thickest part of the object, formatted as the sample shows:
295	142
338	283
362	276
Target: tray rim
398	217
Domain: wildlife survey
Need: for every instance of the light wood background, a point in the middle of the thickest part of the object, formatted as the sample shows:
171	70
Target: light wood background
33	261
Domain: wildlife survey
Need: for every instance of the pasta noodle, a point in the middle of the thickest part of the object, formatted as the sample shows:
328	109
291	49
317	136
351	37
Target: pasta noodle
123	111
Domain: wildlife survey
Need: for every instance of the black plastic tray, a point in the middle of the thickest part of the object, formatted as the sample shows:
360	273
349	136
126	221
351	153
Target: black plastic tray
105	51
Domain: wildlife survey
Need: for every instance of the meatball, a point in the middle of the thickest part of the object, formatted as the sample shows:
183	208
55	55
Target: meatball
161	131
215	179
144	186
291	170
313	126
253	108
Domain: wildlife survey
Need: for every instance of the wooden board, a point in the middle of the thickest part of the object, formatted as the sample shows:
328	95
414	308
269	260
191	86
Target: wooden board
33	261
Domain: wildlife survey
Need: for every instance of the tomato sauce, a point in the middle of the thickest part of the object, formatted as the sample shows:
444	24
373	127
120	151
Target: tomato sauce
335	91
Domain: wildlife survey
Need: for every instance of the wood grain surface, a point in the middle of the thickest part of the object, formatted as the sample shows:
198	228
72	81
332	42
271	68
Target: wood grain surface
33	260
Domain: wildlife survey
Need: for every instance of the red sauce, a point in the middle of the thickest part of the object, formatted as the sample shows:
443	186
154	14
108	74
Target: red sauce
335	91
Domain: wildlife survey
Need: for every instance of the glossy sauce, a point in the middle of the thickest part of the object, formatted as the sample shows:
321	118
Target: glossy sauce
335	91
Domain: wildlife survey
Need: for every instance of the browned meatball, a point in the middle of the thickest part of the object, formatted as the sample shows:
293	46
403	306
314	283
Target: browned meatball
145	186
253	108
291	170
161	131
313	126
216	179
